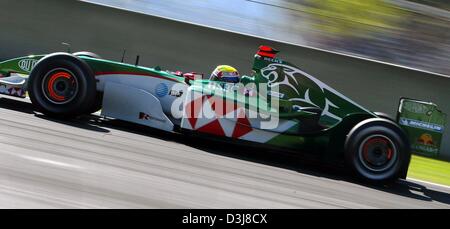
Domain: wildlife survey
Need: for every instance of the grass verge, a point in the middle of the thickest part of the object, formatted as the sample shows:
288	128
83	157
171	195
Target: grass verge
428	169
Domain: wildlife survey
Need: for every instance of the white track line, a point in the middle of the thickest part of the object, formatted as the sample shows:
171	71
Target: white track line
430	183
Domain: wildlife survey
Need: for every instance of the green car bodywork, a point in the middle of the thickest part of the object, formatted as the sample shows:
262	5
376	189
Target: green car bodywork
335	115
308	116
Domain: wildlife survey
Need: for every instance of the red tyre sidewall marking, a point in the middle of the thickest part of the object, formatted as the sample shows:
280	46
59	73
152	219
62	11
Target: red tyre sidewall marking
51	82
375	140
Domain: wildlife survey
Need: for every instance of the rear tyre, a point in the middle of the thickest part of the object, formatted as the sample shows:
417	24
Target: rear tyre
62	85
385	116
377	150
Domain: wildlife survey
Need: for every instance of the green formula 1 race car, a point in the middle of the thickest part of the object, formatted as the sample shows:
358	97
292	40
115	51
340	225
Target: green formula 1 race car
278	106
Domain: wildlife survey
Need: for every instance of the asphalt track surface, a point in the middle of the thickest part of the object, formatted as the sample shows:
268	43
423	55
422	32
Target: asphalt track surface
96	163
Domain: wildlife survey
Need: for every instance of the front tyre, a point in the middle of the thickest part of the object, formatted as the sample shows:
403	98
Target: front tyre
62	85
97	105
87	54
99	96
377	150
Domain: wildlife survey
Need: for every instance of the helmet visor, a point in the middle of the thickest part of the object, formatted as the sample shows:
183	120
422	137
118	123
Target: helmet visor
230	77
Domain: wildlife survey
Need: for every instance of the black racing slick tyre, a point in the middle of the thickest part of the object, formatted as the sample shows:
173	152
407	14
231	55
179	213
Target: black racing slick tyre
385	116
99	96
62	85
97	104
87	54
377	150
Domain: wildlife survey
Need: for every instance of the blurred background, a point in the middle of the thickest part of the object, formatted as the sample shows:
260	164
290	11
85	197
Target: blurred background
413	33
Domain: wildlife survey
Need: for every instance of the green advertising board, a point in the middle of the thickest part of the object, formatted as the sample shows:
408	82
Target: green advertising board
424	124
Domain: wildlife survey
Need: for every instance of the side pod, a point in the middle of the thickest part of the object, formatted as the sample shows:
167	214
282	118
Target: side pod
134	105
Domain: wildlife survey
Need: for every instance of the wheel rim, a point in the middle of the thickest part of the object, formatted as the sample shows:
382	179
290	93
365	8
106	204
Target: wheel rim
377	153
60	86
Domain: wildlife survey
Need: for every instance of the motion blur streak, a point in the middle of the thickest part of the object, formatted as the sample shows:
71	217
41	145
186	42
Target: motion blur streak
108	166
46	161
397	31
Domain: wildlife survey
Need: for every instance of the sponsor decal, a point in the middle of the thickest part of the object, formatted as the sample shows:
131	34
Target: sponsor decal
176	93
281	75
417	108
161	90
426	148
144	116
273	60
13	91
425	139
27	64
421	125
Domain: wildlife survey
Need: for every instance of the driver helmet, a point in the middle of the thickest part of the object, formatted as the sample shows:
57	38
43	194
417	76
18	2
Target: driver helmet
225	73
